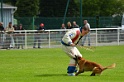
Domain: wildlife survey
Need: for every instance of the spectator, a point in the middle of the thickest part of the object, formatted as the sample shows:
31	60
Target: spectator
63	26
75	25
1	26
1	34
86	24
69	26
37	36
20	37
15	36
9	36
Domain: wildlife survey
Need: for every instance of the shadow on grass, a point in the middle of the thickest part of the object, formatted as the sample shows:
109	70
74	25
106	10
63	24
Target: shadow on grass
49	75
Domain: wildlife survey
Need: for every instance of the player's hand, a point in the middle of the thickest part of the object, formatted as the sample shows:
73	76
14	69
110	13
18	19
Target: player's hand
72	44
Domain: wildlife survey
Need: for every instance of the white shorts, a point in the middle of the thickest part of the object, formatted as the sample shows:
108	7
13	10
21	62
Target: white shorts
71	52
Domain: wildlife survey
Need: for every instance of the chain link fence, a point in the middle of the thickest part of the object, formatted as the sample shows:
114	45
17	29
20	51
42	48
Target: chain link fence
30	23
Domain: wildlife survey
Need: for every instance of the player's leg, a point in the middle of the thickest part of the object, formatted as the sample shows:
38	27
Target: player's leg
72	68
77	53
72	64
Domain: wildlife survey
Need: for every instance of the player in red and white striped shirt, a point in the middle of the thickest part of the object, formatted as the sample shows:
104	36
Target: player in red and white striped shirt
69	42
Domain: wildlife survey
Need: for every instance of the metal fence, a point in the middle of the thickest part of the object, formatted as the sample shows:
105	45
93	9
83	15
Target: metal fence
29	23
24	39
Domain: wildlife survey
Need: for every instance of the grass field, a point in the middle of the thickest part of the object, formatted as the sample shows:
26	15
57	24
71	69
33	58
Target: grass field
50	65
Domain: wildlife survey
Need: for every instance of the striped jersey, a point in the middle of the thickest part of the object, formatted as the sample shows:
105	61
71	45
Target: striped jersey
72	36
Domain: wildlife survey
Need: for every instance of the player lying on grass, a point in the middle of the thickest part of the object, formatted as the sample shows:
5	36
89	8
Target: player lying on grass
69	42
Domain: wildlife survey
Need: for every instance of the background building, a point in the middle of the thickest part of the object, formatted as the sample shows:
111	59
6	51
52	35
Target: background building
7	14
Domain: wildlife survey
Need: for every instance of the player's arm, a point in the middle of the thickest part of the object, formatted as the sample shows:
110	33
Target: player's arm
72	44
68	40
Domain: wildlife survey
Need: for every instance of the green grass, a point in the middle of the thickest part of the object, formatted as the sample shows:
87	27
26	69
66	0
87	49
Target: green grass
50	65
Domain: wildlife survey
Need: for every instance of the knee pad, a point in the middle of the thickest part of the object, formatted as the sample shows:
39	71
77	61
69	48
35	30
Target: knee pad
71	69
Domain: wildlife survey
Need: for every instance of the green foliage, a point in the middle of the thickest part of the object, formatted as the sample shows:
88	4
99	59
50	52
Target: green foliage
50	65
12	2
27	8
110	7
56	8
91	7
102	7
51	8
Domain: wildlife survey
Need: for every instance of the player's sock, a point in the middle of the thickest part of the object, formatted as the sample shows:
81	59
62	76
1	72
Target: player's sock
71	70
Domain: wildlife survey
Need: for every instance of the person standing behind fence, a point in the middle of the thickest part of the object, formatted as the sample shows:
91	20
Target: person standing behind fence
37	35
1	26
69	26
9	36
15	36
86	24
63	26
1	34
75	25
21	37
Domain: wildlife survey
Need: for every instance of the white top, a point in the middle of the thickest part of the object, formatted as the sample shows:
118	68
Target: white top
72	36
87	25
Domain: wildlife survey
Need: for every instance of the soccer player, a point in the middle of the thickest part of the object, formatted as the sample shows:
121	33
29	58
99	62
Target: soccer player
69	42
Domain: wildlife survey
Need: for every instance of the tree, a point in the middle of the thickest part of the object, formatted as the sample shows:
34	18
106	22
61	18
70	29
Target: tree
12	2
119	7
102	7
52	8
111	7
27	8
56	8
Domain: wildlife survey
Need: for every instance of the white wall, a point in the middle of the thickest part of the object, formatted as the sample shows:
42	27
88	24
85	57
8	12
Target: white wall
7	17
